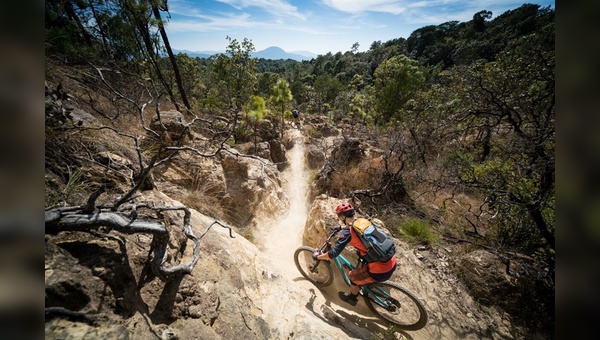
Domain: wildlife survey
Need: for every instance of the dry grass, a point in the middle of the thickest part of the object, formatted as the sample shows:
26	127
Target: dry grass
366	175
205	197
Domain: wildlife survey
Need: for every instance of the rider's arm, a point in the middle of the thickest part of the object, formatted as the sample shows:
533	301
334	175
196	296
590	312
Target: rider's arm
341	243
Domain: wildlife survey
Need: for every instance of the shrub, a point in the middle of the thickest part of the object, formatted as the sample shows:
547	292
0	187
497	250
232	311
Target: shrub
418	231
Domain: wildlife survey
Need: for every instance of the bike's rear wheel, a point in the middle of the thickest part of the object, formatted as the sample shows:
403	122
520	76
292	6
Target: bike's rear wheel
403	308
321	275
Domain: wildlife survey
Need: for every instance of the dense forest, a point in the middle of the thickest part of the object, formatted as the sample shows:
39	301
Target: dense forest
467	108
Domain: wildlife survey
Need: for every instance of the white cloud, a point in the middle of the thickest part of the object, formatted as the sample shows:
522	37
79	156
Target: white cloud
356	6
212	23
317	25
277	8
396	7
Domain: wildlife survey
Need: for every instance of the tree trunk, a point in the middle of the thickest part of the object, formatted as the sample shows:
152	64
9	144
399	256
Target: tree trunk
100	29
165	39
536	214
73	16
141	22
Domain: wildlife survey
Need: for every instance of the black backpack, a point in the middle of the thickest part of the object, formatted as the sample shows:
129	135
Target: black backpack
380	246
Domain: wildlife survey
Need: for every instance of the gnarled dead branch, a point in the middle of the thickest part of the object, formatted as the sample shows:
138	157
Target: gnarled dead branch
126	221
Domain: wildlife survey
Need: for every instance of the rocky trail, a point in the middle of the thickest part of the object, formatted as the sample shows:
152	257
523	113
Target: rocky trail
279	241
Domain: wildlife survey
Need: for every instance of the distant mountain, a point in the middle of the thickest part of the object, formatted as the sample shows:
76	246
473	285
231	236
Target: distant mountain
275	53
307	54
199	54
272	53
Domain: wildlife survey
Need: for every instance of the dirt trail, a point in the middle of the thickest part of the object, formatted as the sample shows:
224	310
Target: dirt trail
286	235
283	237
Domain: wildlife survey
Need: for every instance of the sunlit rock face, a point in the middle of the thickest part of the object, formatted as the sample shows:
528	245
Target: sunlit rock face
272	151
247	179
320	217
253	189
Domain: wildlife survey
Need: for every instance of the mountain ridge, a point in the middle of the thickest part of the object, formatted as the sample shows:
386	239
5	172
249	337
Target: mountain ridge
272	52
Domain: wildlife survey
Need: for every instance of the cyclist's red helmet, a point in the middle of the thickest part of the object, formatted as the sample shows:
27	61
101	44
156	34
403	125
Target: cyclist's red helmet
345	209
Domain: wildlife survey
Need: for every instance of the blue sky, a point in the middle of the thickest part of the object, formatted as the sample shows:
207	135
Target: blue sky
318	26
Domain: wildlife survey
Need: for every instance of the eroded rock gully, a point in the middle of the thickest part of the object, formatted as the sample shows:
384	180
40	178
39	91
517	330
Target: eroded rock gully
241	289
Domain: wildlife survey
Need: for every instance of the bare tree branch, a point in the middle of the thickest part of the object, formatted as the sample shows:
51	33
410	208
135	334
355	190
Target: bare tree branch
75	219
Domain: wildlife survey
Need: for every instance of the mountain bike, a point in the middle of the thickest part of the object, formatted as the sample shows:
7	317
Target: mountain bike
388	300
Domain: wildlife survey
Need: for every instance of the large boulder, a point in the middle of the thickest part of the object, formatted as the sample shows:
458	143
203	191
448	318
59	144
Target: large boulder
321	219
273	151
277	154
315	157
240	187
172	122
254	189
349	152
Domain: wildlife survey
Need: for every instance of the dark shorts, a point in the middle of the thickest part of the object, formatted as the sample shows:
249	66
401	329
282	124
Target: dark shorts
360	276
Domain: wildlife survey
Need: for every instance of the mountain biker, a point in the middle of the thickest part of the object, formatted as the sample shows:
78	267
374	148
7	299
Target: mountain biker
364	274
296	116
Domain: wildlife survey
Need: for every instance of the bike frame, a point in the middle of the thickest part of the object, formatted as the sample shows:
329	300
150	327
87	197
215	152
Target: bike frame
341	261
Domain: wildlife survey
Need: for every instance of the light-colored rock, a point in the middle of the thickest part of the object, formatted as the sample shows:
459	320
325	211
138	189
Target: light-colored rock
254	189
172	121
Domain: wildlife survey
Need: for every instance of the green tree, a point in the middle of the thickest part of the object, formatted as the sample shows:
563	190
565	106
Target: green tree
496	121
84	31
281	95
255	111
360	109
266	82
327	89
191	76
479	19
396	82
139	15
235	73
157	6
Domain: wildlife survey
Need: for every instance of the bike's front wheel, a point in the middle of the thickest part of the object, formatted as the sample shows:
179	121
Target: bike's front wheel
319	273
396	304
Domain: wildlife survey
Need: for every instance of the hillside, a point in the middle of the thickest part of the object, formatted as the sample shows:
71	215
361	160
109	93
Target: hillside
99	281
177	188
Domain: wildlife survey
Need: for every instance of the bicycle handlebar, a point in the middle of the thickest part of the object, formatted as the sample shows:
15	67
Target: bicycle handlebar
333	232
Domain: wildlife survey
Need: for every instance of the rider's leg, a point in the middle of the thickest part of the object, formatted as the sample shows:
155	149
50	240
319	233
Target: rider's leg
358	277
